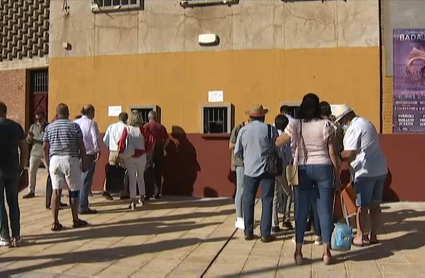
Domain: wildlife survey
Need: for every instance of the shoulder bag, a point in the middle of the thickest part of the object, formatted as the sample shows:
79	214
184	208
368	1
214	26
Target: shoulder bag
274	164
128	150
292	168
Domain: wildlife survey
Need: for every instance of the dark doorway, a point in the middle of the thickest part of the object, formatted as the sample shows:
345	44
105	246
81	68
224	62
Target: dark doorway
39	87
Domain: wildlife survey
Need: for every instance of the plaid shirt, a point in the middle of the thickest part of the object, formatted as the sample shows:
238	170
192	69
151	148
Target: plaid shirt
253	145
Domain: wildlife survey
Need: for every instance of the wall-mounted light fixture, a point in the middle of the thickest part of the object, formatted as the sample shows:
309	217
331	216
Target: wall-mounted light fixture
199	3
208	40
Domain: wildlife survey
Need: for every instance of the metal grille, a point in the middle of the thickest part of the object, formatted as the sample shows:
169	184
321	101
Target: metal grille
215	119
39	81
114	3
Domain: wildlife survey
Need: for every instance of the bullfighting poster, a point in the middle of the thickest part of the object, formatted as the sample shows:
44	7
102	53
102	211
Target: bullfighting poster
409	80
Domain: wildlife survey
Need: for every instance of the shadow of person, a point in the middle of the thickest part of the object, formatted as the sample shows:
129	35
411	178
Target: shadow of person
231	176
181	166
389	194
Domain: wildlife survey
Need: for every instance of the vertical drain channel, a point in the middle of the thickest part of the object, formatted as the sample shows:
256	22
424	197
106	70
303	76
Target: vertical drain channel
218	253
221	249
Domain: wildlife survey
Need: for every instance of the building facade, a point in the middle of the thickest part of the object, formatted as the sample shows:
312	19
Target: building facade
132	54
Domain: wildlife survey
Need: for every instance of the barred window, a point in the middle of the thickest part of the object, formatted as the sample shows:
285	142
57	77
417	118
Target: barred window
216	119
107	5
39	81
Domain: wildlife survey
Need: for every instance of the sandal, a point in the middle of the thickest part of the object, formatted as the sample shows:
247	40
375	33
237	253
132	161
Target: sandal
56	227
79	223
298	258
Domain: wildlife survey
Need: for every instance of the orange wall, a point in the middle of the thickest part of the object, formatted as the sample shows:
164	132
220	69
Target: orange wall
179	82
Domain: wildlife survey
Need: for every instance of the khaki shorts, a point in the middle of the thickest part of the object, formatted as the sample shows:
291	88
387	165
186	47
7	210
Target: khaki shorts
115	159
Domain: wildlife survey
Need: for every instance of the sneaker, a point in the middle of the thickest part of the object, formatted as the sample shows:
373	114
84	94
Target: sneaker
4	242
17	241
240	224
318	240
107	196
29	195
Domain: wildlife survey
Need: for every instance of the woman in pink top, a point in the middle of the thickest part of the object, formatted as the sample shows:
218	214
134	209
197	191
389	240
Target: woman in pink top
313	148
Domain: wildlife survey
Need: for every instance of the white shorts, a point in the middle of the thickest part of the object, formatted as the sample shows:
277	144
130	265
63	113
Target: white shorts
65	169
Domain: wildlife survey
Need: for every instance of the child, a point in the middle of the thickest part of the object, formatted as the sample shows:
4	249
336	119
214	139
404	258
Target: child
283	192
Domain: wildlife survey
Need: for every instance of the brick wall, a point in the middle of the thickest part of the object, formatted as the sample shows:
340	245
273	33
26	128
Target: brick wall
387	85
13	92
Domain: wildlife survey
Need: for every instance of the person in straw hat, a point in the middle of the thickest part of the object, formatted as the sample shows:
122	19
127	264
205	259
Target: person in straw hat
253	145
368	169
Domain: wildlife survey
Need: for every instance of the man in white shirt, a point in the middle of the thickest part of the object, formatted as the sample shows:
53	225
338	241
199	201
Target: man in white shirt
368	169
91	138
111	138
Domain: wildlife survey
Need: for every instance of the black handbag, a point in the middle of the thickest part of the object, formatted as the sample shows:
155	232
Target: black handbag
274	164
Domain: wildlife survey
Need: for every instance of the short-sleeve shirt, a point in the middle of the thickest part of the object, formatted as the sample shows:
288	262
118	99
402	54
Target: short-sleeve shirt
236	161
37	144
158	131
315	135
362	137
254	144
11	133
63	136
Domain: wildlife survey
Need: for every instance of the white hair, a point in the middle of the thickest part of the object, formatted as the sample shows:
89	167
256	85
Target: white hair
152	115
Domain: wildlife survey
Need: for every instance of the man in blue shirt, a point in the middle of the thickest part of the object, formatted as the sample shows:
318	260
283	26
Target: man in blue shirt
254	144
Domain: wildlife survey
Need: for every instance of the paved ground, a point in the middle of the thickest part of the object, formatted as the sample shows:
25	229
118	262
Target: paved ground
188	237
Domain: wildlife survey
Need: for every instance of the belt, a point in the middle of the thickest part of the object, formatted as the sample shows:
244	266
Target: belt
93	155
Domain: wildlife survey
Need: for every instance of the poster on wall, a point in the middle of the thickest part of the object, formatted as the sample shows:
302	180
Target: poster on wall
409	81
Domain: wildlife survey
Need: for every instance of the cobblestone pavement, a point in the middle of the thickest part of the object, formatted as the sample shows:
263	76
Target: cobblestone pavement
189	237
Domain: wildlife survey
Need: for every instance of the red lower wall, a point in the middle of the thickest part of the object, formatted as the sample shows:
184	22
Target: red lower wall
200	166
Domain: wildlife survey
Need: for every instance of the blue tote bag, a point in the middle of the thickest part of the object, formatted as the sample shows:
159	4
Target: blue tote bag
342	236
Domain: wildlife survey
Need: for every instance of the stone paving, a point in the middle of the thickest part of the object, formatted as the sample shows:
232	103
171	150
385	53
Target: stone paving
190	237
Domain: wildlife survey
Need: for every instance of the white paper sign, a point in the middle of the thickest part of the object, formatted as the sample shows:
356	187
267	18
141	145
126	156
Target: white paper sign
215	96
114	111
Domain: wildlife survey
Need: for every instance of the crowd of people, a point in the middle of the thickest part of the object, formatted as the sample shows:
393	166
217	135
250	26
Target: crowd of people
315	144
70	149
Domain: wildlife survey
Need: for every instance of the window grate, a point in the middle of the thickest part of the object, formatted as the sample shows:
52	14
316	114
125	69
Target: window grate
216	119
39	81
116	3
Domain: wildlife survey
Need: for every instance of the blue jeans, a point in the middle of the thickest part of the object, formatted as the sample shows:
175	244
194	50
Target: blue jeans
316	188
239	191
267	192
88	182
9	183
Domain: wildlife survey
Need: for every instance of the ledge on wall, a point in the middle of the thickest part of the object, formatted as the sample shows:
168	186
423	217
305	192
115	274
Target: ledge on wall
200	3
323	1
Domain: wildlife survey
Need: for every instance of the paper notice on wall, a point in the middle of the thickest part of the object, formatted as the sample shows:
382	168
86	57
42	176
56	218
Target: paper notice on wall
215	96
114	111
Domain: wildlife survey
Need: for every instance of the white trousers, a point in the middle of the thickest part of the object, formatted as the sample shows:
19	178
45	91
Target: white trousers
136	169
34	165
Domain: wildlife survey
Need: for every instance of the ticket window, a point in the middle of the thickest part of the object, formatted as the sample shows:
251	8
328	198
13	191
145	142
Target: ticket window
293	108
144	110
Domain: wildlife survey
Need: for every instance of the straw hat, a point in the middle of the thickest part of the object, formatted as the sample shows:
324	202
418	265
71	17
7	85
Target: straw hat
341	111
257	110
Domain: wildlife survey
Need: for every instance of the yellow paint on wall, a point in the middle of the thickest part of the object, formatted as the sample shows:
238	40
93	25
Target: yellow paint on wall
179	82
